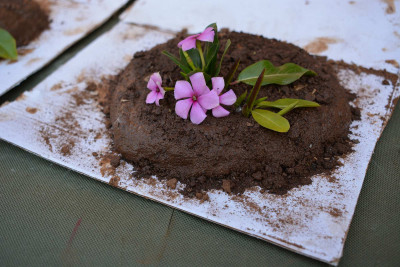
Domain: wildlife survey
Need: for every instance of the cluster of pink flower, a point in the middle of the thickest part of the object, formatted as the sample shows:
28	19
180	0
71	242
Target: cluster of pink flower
194	97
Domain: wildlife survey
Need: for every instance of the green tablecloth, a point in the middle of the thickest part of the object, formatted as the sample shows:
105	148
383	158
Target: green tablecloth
41	204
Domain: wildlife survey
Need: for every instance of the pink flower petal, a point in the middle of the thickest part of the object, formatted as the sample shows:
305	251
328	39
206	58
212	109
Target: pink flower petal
151	97
182	107
209	100
188	43
199	84
158	97
218	84
152	84
183	89
207	35
229	98
219	112
197	114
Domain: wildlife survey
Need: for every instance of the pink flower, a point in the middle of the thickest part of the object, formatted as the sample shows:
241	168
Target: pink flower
228	98
199	98
190	42
157	92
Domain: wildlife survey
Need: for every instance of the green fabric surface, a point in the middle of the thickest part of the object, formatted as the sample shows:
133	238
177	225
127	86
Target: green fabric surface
40	204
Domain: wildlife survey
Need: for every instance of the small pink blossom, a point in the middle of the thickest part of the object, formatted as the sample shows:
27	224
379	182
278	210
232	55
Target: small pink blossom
190	42
198	99
228	98
157	92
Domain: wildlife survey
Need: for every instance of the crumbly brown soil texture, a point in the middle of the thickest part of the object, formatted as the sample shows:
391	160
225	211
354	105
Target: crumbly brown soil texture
25	20
231	153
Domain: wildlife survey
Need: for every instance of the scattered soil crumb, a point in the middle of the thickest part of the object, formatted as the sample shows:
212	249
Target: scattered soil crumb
21	97
391	8
171	183
320	44
335	212
114	181
385	82
56	87
393	62
352	2
226	186
66	149
94	154
31	110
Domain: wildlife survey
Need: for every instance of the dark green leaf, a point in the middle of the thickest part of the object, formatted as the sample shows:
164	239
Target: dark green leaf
177	62
285	74
231	73
195	56
258	101
271	120
183	59
240	99
283	103
248	107
227	45
8	48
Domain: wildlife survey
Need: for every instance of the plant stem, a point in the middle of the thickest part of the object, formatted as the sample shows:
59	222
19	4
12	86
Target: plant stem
169	89
248	107
189	60
203	63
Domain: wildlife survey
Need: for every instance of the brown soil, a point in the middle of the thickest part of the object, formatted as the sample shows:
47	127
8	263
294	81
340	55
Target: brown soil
24	19
231	153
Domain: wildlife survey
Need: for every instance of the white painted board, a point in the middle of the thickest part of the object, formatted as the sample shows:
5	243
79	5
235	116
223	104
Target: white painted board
70	21
365	32
306	220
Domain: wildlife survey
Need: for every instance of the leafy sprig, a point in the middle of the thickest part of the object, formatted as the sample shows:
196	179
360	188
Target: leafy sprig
201	58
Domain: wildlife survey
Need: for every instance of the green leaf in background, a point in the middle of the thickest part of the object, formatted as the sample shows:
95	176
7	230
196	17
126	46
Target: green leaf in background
282	75
258	101
227	45
240	99
8	47
284	102
177	62
271	120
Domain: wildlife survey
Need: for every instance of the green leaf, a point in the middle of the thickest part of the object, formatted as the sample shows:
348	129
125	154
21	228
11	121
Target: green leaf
177	61
240	99
285	74
195	56
231	73
271	120
8	46
248	107
183	59
284	102
258	101
288	108
227	45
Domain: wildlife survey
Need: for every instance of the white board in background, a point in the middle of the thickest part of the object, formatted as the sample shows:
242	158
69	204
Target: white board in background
70	21
366	32
306	220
